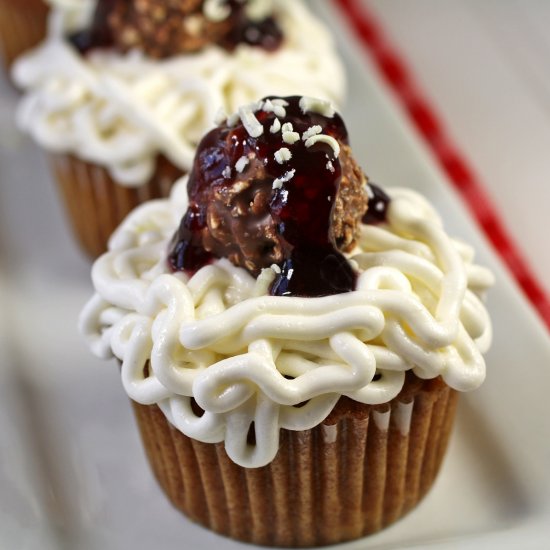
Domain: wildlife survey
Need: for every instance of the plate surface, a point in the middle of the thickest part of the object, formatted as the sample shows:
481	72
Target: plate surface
73	474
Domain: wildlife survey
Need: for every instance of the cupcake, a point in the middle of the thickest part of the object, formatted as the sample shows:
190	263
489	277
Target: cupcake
293	338
22	26
121	94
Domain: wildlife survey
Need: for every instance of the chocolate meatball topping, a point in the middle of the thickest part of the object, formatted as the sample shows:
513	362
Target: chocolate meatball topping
164	28
276	185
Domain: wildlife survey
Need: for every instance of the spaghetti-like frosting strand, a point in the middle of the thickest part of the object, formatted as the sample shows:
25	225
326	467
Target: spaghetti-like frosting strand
121	111
247	357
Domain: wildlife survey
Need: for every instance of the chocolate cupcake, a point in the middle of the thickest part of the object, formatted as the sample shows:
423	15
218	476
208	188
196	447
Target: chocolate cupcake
121	99
293	337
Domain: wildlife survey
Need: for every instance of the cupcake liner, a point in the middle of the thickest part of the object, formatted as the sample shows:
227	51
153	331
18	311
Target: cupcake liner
22	26
96	204
363	468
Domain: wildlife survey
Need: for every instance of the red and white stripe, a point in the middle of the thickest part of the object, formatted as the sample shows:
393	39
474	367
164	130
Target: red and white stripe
397	75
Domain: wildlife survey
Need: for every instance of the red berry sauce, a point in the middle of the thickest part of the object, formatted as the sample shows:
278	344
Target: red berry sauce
378	206
300	206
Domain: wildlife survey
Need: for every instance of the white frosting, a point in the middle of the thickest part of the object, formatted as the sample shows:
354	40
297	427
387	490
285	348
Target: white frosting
247	357
120	111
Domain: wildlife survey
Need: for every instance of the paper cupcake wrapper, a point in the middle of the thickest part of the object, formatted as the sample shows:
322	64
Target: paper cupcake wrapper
22	26
359	471
96	204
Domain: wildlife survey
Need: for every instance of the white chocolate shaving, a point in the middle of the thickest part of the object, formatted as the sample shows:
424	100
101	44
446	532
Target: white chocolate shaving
226	172
276	126
270	106
311	131
291	137
280	102
323	138
314	105
249	120
283	155
278	183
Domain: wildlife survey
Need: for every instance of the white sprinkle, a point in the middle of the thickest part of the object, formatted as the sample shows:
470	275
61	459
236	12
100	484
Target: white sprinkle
221	116
287	127
311	131
323	138
226	172
279	111
269	106
241	164
276	268
283	155
280	101
290	137
249	120
278	183
276	126
314	105
216	10
330	166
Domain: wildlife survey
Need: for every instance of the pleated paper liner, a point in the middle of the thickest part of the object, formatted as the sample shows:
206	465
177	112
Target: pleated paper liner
362	469
22	26
96	204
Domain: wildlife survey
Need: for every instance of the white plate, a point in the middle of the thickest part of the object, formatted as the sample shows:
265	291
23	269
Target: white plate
73	474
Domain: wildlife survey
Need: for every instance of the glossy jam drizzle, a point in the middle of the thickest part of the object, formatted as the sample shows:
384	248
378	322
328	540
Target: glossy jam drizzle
98	35
264	34
301	195
378	206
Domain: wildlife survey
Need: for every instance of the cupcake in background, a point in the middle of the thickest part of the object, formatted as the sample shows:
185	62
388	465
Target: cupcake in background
22	26
121	102
293	337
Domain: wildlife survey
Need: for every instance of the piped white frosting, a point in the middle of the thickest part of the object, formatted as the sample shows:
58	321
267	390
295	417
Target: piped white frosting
250	358
121	111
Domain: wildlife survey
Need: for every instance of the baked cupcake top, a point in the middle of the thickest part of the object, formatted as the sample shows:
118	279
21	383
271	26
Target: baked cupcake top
117	87
215	330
